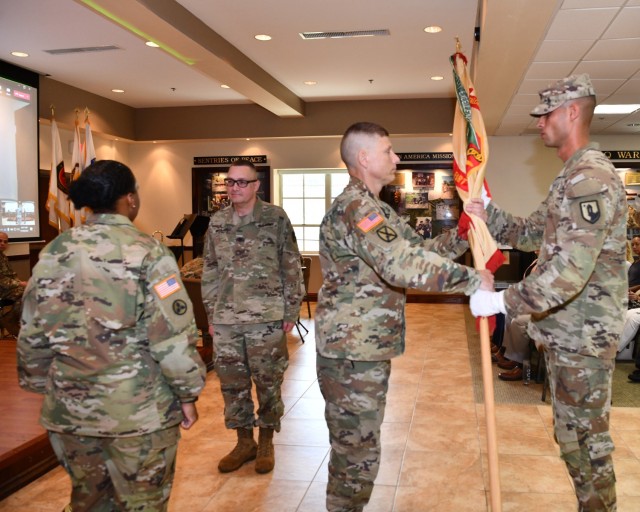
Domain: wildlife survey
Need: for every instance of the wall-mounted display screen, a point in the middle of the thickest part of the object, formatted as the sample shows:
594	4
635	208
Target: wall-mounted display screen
19	150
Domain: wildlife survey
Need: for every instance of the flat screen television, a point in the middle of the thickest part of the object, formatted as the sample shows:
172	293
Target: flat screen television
19	162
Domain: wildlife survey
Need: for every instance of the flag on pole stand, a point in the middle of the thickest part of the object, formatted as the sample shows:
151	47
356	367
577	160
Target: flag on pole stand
77	155
87	157
470	154
57	201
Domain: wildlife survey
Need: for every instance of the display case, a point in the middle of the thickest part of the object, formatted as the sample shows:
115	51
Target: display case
425	196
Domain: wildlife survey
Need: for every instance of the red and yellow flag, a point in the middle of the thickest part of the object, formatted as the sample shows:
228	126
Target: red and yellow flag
470	154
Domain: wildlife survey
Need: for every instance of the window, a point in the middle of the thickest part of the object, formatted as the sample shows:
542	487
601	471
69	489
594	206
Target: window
306	194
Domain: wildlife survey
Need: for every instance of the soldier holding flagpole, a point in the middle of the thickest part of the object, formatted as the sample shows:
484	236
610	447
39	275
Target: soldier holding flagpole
576	295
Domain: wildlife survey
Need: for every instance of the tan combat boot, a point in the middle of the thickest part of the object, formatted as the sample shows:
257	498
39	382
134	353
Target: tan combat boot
243	452
266	458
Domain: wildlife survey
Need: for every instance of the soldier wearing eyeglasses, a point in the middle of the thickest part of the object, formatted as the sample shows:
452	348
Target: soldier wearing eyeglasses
252	289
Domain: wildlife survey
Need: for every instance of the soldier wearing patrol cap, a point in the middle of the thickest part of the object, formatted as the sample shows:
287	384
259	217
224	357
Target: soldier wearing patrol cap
108	336
576	296
369	255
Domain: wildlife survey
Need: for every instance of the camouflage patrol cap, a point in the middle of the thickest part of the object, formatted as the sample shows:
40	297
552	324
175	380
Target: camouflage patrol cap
570	88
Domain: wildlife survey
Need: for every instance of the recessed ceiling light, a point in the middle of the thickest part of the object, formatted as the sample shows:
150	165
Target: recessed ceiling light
633	125
433	29
263	37
152	44
310	82
19	54
119	91
616	109
437	78
225	86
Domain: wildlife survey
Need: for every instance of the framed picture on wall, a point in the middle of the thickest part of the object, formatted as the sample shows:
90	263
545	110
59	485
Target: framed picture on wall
209	193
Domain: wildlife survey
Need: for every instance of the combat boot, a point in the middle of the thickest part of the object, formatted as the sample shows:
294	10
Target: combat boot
243	452
266	458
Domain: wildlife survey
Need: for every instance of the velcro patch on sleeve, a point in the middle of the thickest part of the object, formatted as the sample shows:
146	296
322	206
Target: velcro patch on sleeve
167	287
370	222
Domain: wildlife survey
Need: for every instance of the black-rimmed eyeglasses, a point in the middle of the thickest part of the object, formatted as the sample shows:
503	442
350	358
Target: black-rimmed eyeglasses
241	183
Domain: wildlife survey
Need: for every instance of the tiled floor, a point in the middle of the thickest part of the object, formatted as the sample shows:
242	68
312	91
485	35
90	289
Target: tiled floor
434	444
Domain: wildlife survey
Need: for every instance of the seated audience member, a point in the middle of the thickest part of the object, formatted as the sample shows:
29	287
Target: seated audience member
192	269
634	270
516	345
629	331
11	289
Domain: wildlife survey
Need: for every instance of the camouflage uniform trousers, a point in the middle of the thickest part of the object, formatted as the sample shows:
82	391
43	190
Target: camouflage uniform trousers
249	352
355	394
581	399
10	315
119	473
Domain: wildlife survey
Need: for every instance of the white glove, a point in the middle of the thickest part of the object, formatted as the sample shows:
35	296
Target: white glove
484	303
485	196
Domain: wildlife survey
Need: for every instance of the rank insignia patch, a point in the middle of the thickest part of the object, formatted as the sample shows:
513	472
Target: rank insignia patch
370	222
387	234
590	211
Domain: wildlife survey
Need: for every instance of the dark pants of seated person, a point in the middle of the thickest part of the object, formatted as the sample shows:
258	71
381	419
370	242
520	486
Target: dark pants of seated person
516	339
10	315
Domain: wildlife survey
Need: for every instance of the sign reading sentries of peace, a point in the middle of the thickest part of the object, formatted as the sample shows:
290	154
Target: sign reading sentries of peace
228	160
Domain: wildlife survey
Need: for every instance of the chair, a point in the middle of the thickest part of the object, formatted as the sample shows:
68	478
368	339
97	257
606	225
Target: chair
306	272
202	321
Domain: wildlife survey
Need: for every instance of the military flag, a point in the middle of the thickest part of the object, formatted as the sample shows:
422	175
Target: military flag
77	156
89	149
57	200
470	154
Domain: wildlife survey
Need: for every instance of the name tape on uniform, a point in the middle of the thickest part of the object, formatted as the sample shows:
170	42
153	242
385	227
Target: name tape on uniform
370	222
167	287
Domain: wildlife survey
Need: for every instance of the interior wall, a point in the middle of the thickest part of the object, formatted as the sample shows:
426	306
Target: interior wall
519	172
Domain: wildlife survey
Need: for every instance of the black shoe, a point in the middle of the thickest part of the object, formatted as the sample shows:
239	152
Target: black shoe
635	376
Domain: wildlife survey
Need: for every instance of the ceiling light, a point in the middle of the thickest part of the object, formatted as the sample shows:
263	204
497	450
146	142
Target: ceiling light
633	125
310	82
433	29
19	54
263	37
119	91
225	86
437	78
152	44
616	109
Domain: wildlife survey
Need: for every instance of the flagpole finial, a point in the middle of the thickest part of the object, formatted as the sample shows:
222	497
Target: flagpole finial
53	110
458	45
86	114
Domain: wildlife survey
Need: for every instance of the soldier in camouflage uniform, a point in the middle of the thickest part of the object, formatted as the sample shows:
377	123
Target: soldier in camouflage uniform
11	288
252	289
577	294
369	255
108	336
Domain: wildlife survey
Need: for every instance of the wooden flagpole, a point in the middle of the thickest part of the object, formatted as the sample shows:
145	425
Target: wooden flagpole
489	401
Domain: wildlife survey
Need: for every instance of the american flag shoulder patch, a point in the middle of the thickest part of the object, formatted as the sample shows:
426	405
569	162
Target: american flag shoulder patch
370	222
167	287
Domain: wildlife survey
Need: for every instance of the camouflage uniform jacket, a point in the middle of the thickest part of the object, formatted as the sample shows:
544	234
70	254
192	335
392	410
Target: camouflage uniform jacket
577	294
9	281
369	255
252	272
108	333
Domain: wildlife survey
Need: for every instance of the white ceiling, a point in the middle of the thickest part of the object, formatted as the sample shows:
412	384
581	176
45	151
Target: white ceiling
524	46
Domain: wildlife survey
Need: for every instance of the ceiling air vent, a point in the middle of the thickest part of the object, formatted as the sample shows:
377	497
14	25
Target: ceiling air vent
87	49
339	35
